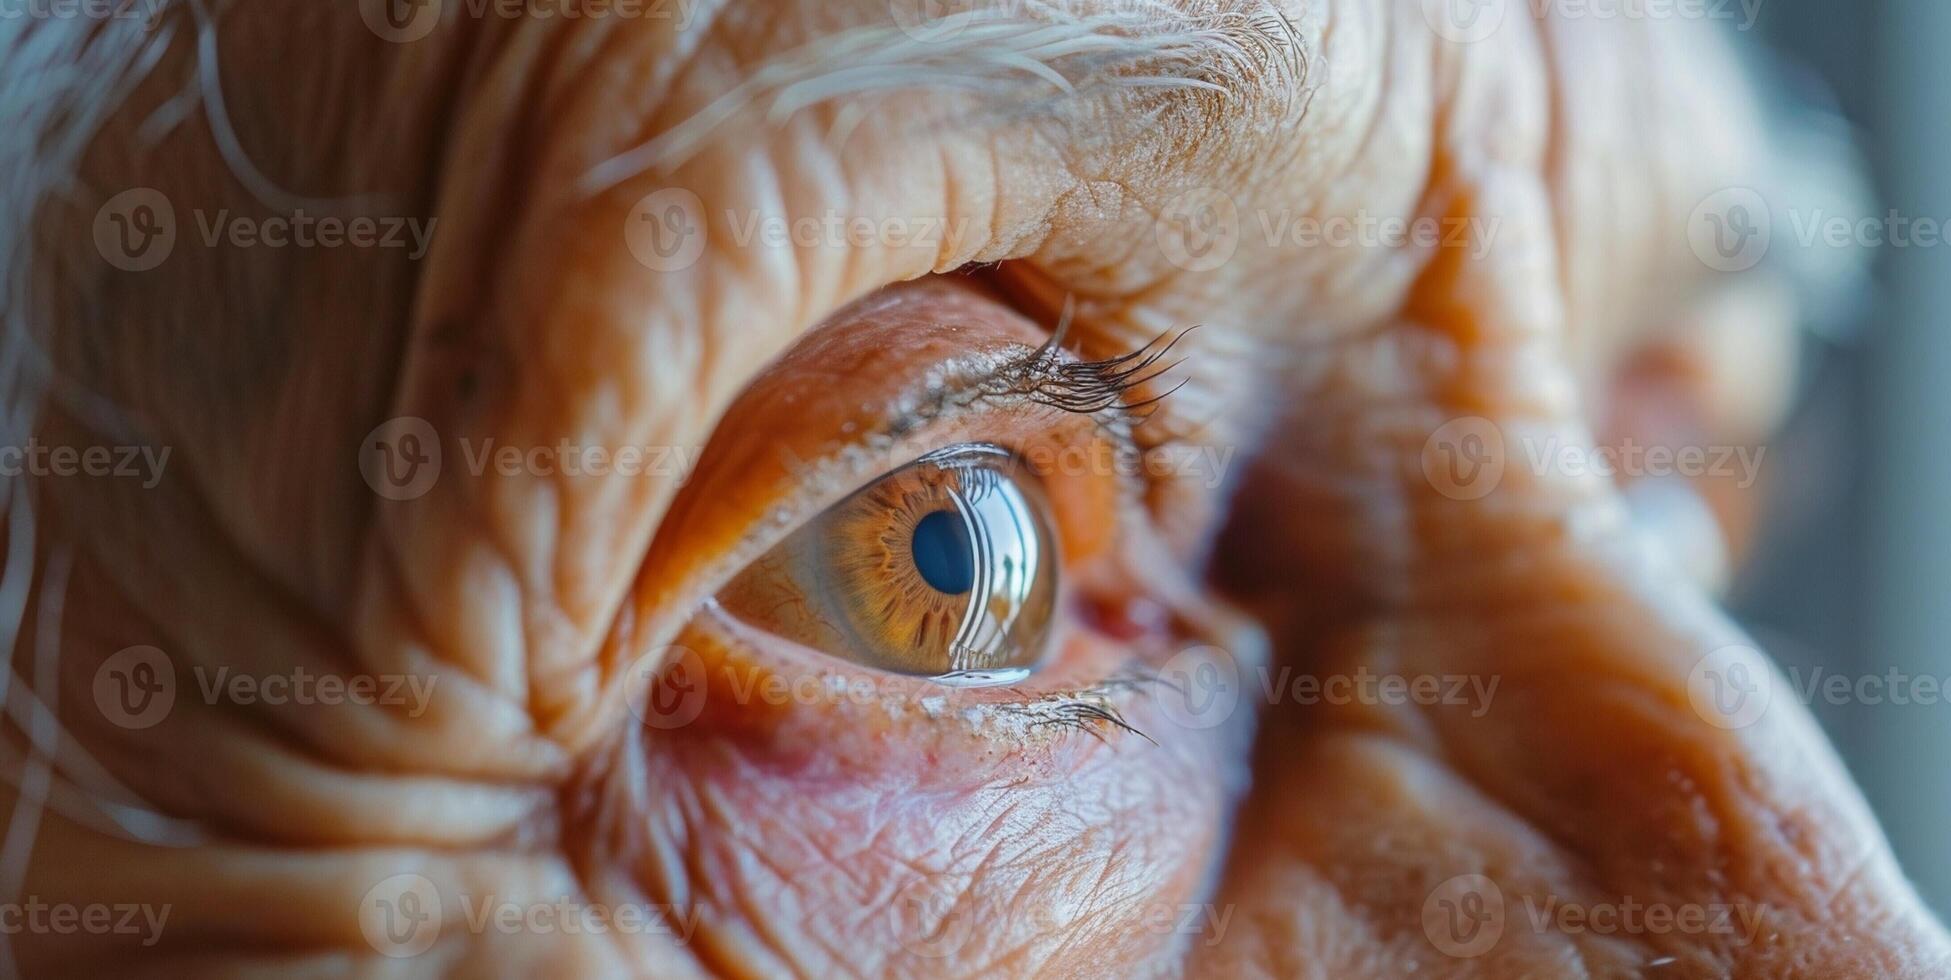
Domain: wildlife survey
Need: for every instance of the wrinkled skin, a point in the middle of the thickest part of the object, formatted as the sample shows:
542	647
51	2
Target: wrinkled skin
1326	830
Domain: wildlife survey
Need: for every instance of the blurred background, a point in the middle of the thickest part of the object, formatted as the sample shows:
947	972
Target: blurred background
1850	577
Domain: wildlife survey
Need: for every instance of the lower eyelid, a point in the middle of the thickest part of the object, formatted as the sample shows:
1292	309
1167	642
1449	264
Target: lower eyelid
756	696
769	689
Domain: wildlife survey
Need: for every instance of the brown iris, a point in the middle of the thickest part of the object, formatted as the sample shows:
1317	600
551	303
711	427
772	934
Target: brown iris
944	568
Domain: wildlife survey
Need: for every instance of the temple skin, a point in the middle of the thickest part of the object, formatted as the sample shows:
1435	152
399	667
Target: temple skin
1321	835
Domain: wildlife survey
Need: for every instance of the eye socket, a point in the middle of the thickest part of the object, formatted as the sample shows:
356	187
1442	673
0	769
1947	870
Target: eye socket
945	568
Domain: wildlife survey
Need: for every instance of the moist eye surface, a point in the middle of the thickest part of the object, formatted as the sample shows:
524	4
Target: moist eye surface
945	568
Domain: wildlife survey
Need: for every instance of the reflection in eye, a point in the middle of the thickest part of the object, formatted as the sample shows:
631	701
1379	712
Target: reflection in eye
945	568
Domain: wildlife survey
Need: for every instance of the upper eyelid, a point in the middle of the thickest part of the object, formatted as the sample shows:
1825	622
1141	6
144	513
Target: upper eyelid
957	388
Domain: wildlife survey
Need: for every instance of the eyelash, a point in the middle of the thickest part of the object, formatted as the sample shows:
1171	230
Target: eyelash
1090	710
1096	388
1087	387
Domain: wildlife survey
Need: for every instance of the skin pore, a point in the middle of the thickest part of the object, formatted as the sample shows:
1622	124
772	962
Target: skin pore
789	836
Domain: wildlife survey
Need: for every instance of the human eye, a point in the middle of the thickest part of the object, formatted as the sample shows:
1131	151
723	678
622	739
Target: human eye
945	568
930	503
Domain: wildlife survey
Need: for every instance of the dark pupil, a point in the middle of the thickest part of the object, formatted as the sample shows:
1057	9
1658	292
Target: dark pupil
943	554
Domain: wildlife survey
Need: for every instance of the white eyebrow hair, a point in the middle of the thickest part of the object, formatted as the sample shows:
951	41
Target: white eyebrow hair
58	85
1035	45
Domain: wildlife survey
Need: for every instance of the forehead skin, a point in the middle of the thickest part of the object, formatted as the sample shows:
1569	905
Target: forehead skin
531	322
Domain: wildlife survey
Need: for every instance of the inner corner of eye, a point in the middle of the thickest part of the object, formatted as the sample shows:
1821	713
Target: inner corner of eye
945	568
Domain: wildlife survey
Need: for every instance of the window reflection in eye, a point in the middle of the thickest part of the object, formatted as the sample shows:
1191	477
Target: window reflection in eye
945	568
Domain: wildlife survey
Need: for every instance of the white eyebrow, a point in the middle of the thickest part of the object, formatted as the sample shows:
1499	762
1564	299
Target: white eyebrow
1033	45
58	86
